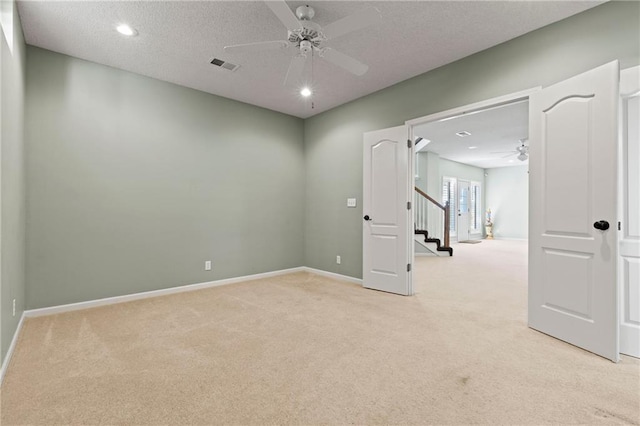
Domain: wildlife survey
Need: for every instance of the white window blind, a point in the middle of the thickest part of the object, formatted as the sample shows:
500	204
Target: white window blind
476	207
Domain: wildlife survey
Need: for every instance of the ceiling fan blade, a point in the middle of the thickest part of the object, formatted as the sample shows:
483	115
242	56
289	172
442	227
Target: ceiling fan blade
510	155
296	67
353	22
344	61
284	14
503	152
256	47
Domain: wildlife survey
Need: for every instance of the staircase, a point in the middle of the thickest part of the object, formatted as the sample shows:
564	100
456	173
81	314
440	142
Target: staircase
432	244
421	235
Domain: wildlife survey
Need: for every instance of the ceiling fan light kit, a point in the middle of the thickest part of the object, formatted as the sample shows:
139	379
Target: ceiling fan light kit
308	39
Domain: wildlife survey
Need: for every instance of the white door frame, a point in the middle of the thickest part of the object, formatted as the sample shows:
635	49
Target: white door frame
471	108
627	246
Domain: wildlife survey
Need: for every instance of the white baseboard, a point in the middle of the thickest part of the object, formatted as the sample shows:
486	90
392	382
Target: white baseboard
333	275
154	293
52	310
12	346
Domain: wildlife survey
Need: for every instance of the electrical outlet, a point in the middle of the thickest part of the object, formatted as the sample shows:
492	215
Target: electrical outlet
338	260
207	265
14	307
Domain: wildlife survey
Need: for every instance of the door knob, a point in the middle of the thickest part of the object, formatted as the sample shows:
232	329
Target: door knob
366	217
602	225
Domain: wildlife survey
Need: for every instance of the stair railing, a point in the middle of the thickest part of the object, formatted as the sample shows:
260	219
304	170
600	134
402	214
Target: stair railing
421	214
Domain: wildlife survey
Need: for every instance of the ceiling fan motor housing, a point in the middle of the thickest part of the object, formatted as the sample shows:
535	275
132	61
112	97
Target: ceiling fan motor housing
310	35
310	32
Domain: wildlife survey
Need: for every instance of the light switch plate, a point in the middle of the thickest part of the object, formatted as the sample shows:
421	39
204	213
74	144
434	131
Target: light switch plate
351	202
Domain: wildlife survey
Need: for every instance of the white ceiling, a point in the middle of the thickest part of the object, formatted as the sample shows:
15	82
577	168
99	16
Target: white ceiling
177	40
494	133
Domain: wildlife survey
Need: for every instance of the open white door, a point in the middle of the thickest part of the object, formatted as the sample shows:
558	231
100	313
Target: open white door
387	240
629	247
463	210
573	133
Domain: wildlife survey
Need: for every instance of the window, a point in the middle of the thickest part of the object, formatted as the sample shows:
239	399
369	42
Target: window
449	195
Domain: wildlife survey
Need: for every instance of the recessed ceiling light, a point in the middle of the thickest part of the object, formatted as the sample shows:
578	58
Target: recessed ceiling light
306	92
124	29
463	134
511	161
473	147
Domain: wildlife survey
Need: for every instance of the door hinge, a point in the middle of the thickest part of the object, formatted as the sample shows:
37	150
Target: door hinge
408	267
619	226
408	205
409	143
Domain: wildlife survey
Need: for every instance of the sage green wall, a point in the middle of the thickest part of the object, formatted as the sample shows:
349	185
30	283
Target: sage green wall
333	139
12	188
134	183
460	171
507	195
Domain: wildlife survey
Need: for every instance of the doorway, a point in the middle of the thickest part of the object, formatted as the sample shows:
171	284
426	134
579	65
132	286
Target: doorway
473	163
571	265
571	257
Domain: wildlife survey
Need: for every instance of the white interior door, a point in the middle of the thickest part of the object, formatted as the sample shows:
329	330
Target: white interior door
629	235
387	224
463	210
572	265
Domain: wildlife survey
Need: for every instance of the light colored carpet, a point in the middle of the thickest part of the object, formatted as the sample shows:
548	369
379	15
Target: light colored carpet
303	349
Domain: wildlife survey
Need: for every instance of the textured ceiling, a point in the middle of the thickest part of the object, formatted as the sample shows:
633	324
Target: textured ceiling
494	133
177	39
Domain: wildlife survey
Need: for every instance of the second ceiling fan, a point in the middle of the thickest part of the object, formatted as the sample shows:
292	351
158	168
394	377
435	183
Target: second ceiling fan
308	38
522	151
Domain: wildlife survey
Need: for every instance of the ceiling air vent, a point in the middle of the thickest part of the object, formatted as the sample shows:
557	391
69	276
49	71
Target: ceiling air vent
463	134
223	64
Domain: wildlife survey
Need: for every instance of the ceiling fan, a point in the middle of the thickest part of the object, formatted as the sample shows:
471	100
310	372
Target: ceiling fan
522	151
308	38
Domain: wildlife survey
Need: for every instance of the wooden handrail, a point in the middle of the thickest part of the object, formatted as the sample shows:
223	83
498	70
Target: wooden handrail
447	215
425	195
